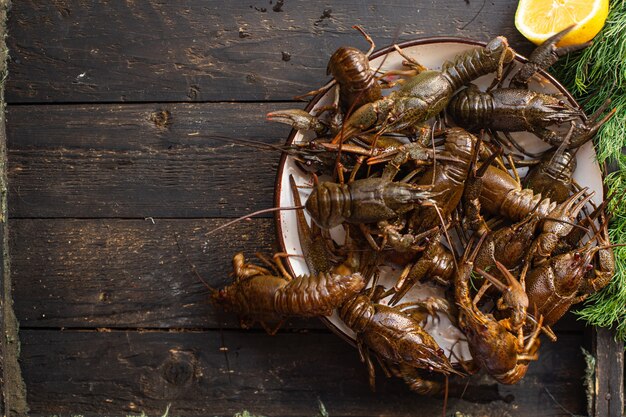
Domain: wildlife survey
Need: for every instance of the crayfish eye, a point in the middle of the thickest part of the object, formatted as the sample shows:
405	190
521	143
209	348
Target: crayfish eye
561	103
577	256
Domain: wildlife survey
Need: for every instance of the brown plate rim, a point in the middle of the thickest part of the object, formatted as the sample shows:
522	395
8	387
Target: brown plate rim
315	99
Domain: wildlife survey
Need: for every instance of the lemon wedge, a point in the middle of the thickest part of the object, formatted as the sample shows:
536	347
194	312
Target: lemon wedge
537	20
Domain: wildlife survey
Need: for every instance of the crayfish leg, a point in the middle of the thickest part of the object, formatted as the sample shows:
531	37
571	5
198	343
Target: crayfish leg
410	62
497	82
481	292
513	142
415	273
533	336
281	267
367	233
417	382
367	37
366	358
272	330
320	90
242	269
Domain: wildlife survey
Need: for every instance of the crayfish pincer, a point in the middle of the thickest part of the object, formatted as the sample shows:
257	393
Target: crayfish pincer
357	84
258	295
520	109
493	347
564	280
428	93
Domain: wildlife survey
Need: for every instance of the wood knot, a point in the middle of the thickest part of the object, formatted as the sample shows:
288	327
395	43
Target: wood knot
278	7
161	118
178	369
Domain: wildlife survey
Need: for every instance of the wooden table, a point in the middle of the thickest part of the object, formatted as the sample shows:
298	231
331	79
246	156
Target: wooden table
117	175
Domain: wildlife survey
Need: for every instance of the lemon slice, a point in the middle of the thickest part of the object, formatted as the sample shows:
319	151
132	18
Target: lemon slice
537	20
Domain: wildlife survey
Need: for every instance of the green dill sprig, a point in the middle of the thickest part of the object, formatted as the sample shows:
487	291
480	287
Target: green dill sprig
608	307
594	75
598	73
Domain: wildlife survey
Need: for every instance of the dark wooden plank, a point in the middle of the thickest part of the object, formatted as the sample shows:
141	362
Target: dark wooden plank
141	127
218	374
609	353
128	273
12	389
84	51
207	182
131	273
141	160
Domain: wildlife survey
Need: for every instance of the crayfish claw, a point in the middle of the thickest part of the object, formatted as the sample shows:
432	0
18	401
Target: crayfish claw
544	56
298	119
584	133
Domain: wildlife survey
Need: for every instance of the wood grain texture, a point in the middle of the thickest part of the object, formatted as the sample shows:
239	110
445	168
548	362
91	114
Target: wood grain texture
12	388
170	160
127	273
195	50
142	127
218	374
609	355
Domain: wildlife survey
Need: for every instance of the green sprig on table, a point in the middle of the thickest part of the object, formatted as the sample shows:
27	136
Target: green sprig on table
594	75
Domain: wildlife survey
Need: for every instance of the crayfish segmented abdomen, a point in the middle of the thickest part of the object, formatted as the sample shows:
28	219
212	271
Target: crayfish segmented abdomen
316	295
357	81
477	62
502	194
257	295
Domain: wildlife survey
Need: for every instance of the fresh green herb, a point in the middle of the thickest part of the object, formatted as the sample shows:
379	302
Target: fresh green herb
594	75
473	279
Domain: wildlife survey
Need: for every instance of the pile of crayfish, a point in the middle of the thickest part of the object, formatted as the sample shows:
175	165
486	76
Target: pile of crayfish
425	180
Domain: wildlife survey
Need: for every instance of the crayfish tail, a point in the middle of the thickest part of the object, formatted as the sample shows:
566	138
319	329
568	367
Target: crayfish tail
478	62
317	295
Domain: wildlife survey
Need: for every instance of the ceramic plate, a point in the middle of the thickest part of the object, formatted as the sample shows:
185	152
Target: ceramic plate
432	52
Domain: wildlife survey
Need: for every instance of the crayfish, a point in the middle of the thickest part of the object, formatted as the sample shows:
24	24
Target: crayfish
518	108
401	192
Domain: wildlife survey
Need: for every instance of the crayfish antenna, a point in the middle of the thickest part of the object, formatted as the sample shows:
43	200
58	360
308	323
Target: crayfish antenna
445	232
445	397
255	213
493	280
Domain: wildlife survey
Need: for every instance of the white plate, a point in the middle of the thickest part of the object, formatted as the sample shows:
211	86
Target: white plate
432	53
